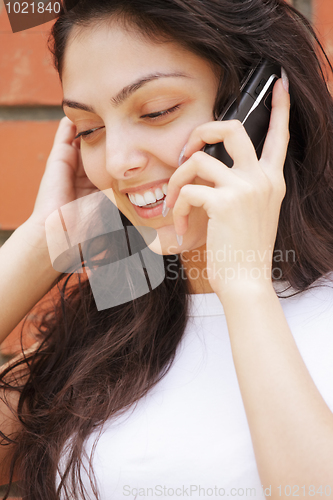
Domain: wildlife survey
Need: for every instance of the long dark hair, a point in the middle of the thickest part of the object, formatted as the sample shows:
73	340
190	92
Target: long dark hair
92	365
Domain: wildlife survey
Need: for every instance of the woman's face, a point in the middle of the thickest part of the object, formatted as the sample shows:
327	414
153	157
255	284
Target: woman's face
144	99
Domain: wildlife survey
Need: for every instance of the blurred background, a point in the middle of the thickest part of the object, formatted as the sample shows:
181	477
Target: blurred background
30	110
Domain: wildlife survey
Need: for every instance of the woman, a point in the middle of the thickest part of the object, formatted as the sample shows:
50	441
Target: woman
208	385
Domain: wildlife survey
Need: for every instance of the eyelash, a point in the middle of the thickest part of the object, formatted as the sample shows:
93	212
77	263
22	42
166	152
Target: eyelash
154	116
151	116
87	132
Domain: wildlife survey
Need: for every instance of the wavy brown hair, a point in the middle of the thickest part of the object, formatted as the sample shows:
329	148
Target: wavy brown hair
92	365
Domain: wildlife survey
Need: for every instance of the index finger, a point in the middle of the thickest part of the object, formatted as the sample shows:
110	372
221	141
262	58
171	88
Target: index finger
277	139
65	132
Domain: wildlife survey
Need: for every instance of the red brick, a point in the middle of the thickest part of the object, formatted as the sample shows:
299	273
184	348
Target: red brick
24	149
27	76
323	22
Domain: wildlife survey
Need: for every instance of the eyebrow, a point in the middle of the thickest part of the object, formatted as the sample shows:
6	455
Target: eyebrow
126	92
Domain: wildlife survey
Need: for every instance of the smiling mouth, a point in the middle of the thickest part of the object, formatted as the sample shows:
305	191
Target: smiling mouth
149	198
149	205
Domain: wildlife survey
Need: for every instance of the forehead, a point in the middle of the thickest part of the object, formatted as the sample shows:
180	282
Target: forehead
110	52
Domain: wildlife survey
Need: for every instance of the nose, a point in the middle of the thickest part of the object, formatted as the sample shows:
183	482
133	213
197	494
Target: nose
125	155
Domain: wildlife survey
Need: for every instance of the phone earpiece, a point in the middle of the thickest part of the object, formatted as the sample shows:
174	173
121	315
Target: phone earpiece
252	109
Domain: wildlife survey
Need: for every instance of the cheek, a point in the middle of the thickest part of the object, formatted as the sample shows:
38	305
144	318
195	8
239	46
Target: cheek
167	143
173	143
166	146
93	160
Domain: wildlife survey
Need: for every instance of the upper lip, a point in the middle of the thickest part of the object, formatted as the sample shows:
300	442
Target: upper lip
144	187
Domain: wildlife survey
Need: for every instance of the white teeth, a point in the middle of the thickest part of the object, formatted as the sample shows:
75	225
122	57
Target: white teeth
159	194
148	197
139	200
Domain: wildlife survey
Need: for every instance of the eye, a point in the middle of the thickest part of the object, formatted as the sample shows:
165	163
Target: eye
159	114
88	132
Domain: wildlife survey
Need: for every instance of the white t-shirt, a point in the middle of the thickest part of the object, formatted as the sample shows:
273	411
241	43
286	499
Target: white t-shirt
189	436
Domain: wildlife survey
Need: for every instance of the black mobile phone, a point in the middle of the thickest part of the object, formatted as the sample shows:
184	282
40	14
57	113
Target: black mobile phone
253	109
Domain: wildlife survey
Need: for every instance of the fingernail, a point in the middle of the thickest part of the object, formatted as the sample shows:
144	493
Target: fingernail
179	239
182	157
165	209
285	80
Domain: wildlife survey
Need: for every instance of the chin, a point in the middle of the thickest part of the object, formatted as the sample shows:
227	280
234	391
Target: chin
157	248
165	242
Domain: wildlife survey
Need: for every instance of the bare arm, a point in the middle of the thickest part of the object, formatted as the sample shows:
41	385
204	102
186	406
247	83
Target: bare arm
26	275
291	425
25	266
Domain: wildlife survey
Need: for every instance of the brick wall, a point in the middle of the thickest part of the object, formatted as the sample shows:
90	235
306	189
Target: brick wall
30	98
322	17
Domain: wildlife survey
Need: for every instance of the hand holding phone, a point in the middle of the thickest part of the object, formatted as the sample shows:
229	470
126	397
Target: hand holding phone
253	109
